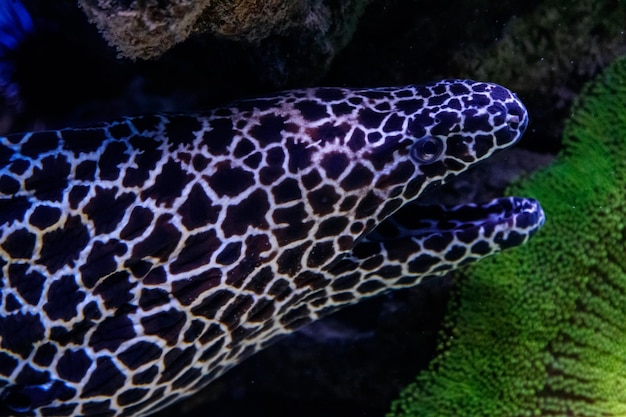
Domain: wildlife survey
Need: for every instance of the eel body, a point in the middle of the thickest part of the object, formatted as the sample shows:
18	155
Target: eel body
142	258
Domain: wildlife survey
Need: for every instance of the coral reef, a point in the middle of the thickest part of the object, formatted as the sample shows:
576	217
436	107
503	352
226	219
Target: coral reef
148	29
539	330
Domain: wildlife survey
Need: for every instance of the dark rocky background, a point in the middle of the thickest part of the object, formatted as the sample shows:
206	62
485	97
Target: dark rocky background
355	362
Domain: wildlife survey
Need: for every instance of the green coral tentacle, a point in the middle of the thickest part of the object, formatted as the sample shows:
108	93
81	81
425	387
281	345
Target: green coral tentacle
540	330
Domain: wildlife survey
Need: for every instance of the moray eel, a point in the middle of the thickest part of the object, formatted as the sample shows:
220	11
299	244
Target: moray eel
143	258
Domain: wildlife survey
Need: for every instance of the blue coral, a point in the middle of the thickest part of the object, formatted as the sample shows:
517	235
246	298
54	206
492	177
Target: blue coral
16	25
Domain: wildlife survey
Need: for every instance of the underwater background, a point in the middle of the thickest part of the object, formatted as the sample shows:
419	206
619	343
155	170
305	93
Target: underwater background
513	335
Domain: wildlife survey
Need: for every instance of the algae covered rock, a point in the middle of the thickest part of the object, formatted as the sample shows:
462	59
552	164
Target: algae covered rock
539	330
149	28
143	29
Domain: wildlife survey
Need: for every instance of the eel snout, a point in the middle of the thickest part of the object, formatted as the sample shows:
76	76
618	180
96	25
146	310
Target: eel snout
424	241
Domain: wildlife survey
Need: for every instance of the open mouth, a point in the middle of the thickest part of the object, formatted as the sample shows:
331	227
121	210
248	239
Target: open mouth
506	215
433	239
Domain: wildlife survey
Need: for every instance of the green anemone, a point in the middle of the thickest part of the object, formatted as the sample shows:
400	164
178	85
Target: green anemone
541	330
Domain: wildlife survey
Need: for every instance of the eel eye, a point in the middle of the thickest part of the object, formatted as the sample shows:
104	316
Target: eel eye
427	149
